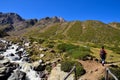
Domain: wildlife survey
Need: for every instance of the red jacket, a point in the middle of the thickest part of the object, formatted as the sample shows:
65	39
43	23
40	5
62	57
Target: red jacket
103	52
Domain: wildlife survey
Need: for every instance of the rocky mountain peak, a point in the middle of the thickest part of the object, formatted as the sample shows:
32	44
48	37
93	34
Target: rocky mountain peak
115	24
9	18
13	21
58	19
49	20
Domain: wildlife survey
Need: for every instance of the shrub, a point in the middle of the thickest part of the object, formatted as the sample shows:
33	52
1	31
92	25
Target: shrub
79	69
116	72
50	45
32	39
66	66
40	41
2	33
79	53
63	47
48	68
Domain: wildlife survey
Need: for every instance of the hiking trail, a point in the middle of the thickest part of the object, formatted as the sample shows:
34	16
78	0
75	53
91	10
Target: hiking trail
94	70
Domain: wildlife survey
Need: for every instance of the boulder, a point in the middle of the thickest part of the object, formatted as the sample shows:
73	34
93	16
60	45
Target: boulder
5	72
1	57
39	65
57	74
42	55
2	70
5	61
17	75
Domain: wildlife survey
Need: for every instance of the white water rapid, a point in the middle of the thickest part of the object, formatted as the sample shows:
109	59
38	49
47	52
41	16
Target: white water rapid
17	54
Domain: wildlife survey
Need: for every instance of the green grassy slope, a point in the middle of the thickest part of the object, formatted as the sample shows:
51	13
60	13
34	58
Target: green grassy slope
88	31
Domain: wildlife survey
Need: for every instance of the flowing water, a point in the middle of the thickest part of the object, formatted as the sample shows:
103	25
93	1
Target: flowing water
12	53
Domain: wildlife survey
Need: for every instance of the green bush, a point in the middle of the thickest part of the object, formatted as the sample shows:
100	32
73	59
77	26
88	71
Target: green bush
79	53
79	69
48	68
63	47
66	66
40	41
116	72
2	33
50	45
32	39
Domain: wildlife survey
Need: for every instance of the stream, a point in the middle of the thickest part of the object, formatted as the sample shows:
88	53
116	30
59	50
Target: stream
15	63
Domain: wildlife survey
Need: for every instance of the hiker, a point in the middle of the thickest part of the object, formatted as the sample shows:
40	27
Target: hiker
103	55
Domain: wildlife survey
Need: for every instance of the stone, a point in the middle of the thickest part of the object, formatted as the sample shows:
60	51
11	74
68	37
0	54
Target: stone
1	57
57	74
42	55
17	75
2	70
5	61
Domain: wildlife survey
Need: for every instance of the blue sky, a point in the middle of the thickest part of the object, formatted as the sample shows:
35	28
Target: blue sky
102	10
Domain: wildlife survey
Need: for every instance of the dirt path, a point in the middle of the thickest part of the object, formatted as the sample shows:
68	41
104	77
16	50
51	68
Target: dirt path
94	70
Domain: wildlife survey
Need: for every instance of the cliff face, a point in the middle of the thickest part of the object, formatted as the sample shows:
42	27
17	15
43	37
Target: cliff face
12	21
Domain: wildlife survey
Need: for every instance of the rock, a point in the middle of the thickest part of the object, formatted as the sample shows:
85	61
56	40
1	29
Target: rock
52	51
114	66
43	49
1	57
56	60
96	70
42	74
2	70
57	74
48	63
40	68
89	58
6	68
95	59
42	55
27	44
19	53
17	75
13	21
40	61
5	72
26	59
91	72
39	65
5	61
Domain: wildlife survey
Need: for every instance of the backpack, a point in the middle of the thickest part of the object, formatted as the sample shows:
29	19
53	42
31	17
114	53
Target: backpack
102	52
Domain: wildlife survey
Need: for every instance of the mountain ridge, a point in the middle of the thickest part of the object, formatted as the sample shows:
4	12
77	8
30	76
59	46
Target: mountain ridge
56	27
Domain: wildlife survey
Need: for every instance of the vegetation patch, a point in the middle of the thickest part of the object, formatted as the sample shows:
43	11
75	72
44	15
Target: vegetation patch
66	66
79	53
65	47
2	33
116	72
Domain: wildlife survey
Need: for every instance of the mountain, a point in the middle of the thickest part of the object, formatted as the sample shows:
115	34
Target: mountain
115	25
57	28
68	40
47	21
86	31
12	21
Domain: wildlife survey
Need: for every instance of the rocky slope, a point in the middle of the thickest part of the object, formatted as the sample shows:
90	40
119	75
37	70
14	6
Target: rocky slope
12	21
